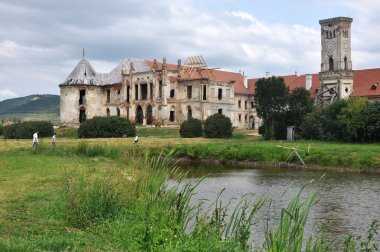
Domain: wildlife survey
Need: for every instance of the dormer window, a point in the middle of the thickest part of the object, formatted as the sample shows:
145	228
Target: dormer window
374	86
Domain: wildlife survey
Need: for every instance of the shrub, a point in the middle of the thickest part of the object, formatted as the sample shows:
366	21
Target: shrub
1	129
113	126
218	126
191	128
25	130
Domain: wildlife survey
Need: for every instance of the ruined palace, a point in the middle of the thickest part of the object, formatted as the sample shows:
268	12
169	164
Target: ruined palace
156	93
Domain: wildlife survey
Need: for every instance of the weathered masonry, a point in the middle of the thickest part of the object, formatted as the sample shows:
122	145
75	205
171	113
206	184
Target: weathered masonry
155	93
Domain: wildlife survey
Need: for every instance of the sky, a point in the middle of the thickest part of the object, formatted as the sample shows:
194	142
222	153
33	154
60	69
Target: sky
41	41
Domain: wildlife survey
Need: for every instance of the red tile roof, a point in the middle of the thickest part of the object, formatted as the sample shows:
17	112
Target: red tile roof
363	81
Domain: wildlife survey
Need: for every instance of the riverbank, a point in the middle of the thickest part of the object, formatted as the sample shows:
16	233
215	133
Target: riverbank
107	194
243	150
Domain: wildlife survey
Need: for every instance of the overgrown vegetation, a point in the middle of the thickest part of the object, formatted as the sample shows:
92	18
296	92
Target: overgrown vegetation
113	126
191	128
1	129
107	199
218	126
24	130
279	107
352	120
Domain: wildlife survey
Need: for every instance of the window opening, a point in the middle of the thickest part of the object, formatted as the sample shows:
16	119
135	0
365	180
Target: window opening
108	96
220	92
331	64
160	89
189	113
136	92
82	115
204	92
151	91
82	97
189	92
144	91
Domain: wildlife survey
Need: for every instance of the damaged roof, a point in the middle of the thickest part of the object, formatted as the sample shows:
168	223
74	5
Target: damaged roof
84	73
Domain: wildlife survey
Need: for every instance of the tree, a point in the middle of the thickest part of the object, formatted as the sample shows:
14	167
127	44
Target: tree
351	119
270	96
371	117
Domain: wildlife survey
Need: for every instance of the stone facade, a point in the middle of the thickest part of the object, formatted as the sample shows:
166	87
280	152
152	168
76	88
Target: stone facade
153	94
336	74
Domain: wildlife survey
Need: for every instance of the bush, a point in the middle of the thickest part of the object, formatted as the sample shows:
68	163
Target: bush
113	126
26	130
1	129
218	126
191	128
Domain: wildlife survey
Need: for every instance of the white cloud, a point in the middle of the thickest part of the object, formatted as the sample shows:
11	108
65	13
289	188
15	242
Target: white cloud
42	42
6	93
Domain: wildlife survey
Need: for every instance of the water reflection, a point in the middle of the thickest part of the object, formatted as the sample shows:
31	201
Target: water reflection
347	202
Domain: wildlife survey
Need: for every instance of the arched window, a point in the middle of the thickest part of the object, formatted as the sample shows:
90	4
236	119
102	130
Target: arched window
139	115
108	112
331	64
118	111
345	63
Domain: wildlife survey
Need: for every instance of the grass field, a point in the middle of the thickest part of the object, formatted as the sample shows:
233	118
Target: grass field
108	194
245	145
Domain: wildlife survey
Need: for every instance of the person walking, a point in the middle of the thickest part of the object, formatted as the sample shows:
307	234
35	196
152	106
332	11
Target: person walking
136	139
53	141
35	140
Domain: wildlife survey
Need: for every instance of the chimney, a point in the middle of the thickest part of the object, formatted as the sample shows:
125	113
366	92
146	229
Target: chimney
245	81
309	81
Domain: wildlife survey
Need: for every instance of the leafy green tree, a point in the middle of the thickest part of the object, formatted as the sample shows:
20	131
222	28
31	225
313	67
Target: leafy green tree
351	119
1	129
311	127
270	96
371	117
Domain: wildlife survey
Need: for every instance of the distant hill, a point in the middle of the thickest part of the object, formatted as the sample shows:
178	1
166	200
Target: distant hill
30	107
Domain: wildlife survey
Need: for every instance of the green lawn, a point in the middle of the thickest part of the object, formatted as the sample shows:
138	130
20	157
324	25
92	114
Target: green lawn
103	195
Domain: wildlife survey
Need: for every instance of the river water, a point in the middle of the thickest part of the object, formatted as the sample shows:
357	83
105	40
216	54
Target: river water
346	203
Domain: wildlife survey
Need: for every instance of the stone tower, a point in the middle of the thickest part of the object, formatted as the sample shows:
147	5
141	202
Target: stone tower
336	76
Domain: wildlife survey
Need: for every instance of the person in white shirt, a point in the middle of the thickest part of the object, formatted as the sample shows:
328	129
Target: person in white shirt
53	141
35	140
136	139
